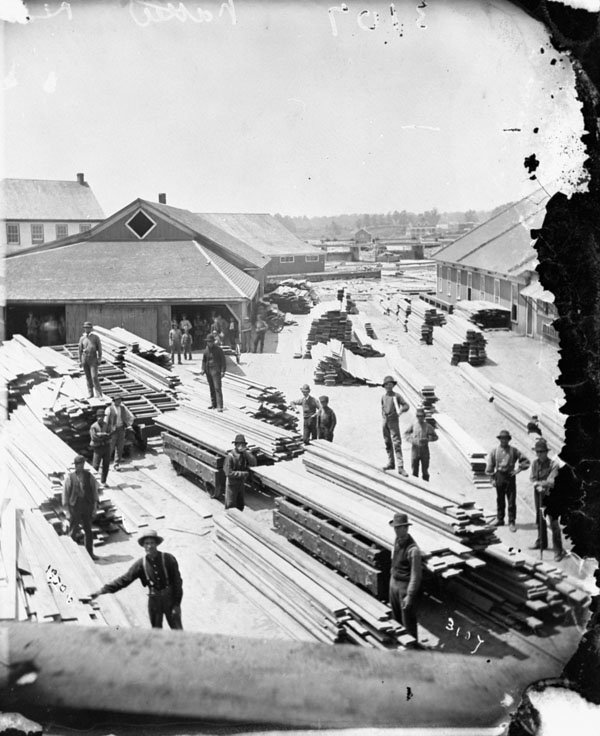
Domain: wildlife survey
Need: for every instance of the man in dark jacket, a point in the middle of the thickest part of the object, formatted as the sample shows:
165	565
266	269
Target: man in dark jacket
310	407
405	577
237	471
326	420
503	464
100	444
80	502
543	476
420	434
214	365
159	572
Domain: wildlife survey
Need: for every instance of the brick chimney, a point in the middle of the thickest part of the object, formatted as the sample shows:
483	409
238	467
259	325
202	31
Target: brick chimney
81	180
162	198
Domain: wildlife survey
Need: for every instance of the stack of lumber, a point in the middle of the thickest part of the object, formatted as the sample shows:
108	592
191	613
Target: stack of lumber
477	381
292	299
362	335
471	453
412	383
23	365
328	323
519	409
429	315
443	553
119	338
257	400
487	315
215	431
333	364
48	578
325	604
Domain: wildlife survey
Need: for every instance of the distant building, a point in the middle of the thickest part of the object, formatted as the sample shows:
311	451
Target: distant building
37	211
496	262
362	236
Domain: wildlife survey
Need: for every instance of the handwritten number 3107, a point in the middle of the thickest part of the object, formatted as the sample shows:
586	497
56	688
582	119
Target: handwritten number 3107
450	627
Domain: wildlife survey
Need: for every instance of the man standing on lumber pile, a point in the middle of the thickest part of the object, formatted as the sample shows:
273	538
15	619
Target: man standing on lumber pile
237	471
310	407
118	420
543	475
392	405
405	576
503	464
326	420
420	434
90	357
214	365
80	502
159	572
100	444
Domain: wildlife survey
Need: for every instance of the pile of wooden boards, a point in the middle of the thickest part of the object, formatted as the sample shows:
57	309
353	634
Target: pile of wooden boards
472	455
257	400
295	297
334	364
119	340
328	323
326	605
412	383
486	315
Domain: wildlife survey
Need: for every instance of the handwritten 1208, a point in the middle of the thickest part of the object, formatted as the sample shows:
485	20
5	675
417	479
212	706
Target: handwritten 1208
368	20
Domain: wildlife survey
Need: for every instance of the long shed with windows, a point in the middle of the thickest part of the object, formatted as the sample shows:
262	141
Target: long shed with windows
496	262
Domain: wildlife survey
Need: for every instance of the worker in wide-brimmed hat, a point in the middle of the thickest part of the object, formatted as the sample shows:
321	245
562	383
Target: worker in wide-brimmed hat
392	405
420	434
310	408
503	464
80	502
118	420
90	357
405	576
159	572
100	444
543	476
237	472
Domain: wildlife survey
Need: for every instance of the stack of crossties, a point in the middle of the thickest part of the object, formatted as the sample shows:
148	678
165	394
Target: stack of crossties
329	322
311	601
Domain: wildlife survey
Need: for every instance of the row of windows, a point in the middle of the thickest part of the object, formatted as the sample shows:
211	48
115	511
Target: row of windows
482	292
13	232
291	259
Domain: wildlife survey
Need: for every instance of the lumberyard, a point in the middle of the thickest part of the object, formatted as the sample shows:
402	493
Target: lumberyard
308	561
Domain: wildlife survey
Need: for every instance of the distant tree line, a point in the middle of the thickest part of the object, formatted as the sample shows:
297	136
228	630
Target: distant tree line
336	227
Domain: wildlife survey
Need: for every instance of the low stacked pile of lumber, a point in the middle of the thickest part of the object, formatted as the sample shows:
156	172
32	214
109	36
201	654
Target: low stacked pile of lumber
333	365
362	335
47	578
121	340
519	409
326	605
487	315
429	315
470	453
328	323
257	400
295	299
23	365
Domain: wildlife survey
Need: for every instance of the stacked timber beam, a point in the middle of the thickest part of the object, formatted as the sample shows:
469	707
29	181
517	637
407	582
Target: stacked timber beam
487	315
257	400
121	340
333	364
326	605
412	383
519	409
293	297
328	323
471	453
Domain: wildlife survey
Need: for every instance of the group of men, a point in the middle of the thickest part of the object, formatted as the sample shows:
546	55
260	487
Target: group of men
107	435
318	419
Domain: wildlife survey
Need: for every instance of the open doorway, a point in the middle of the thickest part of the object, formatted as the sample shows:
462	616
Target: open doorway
41	324
204	319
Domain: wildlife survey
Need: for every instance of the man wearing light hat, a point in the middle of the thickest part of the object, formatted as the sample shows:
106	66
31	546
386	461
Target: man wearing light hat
118	419
310	409
405	575
503	464
543	475
159	572
420	434
237	471
100	444
392	405
90	356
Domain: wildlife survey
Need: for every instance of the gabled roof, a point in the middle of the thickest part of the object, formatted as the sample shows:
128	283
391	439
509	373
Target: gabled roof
41	199
142	271
262	232
502	244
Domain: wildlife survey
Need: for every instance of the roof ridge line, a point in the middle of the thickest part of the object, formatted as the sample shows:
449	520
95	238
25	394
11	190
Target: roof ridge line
219	269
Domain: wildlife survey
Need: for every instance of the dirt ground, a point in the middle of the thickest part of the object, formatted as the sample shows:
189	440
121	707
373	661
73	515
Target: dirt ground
214	605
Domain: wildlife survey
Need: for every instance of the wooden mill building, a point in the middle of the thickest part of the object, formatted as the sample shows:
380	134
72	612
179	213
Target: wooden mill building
495	262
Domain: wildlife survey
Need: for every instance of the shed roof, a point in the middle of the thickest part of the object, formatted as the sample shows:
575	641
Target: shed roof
42	199
502	244
262	232
142	271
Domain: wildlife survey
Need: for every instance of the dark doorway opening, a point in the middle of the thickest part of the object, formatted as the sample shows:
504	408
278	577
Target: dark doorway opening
41	324
205	319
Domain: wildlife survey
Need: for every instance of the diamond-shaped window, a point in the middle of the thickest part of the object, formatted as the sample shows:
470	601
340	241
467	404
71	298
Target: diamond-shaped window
140	224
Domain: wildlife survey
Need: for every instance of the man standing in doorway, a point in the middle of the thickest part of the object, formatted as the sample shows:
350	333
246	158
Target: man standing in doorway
214	365
90	357
237	471
405	576
392	405
118	419
420	434
100	444
159	572
80	502
503	464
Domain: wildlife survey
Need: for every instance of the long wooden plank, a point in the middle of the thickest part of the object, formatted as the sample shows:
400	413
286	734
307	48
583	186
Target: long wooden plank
201	509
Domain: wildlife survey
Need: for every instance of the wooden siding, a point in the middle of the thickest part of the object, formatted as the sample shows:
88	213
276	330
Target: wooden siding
118	231
300	265
142	320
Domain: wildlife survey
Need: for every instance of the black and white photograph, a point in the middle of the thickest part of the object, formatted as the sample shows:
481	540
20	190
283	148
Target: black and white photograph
301	367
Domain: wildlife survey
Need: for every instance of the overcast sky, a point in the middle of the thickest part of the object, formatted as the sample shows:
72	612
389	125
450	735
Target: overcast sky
269	108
